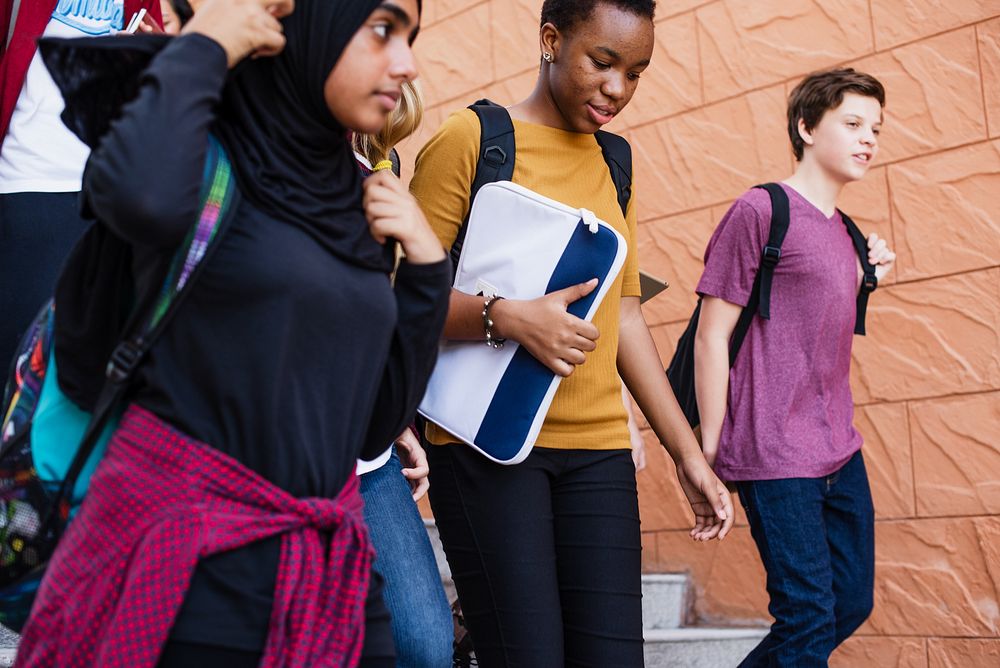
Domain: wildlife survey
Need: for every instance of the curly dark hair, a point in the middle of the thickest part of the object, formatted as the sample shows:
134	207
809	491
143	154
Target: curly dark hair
567	14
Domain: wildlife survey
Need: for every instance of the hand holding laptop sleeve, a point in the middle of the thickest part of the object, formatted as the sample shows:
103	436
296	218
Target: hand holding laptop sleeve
519	245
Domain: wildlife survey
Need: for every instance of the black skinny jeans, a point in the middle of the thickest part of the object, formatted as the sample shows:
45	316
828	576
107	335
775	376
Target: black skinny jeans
545	555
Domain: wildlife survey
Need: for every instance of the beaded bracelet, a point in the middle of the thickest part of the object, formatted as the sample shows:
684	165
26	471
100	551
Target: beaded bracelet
492	340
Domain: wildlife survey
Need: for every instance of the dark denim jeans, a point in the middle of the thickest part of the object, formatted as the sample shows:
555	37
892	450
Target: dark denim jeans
816	537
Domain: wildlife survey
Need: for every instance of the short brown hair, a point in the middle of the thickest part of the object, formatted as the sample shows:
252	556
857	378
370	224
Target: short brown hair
822	91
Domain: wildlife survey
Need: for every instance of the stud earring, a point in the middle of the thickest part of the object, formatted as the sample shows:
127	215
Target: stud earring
547	57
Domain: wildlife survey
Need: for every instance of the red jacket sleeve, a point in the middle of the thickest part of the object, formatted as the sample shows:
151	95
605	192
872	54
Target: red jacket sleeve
152	8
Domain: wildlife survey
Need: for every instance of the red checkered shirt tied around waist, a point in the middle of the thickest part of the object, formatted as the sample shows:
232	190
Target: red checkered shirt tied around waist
159	502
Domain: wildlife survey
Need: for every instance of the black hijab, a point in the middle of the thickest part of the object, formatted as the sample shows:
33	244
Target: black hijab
292	158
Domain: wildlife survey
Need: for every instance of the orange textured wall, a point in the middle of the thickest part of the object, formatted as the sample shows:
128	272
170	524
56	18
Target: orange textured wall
707	123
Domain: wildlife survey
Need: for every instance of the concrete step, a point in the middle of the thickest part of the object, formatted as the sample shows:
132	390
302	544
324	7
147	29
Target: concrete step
664	600
695	647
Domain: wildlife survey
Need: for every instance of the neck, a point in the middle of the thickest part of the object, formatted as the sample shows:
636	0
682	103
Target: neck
816	185
540	107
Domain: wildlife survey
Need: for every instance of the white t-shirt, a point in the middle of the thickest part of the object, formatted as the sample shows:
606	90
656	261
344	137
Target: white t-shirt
375	464
39	153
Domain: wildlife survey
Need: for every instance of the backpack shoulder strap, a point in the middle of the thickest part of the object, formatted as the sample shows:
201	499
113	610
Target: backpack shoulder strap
496	159
869	282
771	253
396	164
760	294
618	155
219	196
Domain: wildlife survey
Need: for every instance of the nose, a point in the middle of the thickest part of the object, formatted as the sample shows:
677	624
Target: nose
404	64
614	86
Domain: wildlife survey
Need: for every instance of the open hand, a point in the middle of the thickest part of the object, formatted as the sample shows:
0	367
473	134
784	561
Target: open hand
710	500
414	460
555	337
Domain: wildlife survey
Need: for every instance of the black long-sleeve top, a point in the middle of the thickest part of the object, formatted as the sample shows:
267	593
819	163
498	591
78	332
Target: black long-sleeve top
283	356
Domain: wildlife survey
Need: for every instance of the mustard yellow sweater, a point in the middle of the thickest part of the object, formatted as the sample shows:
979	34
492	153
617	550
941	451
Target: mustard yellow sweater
587	412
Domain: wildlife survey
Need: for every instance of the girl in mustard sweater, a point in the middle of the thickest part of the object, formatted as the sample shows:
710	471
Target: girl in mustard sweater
546	554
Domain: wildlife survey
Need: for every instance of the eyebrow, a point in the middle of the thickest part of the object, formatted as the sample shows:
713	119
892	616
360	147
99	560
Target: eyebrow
859	117
402	17
617	56
398	12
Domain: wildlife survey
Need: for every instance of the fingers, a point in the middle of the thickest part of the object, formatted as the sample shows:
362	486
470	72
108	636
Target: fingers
727	508
575	292
584	344
279	8
588	330
560	367
270	38
420	489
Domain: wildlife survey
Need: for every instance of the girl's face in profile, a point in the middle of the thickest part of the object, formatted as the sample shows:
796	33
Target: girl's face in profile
366	84
597	64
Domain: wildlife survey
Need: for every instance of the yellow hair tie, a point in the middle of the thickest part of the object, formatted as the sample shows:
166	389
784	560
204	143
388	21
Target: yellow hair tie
382	164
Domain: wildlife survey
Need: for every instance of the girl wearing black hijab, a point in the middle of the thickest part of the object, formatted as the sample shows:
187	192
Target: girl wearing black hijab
223	526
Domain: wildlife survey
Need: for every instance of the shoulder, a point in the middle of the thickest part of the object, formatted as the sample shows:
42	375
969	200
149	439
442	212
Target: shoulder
461	126
755	203
456	138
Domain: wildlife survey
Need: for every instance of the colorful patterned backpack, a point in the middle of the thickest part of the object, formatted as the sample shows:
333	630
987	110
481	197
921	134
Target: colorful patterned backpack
49	447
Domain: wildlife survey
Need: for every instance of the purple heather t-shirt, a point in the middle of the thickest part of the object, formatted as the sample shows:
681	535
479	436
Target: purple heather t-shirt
790	413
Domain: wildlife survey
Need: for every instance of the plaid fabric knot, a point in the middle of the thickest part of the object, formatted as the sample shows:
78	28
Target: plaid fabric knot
158	503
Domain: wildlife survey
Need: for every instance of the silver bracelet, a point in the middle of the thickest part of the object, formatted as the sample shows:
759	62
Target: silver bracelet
492	340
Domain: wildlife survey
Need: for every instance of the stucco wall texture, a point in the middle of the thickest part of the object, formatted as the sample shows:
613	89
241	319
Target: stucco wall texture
706	123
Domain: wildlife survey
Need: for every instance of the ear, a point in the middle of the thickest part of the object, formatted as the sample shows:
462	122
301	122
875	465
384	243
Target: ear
806	135
549	40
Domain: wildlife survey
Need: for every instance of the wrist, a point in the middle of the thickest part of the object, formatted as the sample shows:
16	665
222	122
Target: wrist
503	313
423	252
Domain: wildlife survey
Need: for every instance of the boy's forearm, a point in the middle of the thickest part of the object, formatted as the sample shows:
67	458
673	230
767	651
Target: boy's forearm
711	381
640	368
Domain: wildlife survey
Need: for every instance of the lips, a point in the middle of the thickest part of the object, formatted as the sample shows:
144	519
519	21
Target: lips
863	157
601	114
389	98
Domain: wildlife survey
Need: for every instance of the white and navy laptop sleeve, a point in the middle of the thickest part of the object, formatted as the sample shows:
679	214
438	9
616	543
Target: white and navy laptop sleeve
520	245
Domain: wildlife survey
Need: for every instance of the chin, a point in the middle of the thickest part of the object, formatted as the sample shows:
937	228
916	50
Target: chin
369	124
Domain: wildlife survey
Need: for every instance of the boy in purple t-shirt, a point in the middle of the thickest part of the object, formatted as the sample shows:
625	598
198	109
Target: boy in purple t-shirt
779	423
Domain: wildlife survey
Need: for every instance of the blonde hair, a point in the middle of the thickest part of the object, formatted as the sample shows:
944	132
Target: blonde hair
403	122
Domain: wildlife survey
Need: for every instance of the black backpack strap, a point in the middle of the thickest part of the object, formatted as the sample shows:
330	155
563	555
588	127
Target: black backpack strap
618	155
496	159
394	159
760	294
772	251
869	281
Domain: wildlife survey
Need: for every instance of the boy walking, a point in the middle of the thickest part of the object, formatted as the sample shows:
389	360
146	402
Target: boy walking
779	423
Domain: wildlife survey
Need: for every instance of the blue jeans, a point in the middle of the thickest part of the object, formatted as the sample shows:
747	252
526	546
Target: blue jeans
816	537
421	618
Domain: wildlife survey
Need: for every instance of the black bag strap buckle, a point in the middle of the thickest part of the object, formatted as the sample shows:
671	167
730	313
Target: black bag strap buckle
494	156
869	283
771	256
124	360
